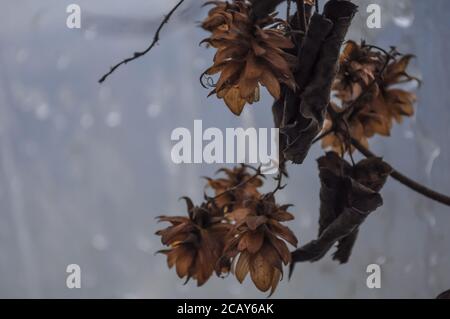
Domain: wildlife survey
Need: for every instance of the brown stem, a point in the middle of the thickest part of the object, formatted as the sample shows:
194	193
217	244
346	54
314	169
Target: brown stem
279	186
421	189
137	55
288	12
317	6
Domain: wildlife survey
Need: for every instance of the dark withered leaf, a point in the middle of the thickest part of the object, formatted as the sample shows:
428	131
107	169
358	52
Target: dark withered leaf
372	173
320	49
444	295
364	202
345	247
348	195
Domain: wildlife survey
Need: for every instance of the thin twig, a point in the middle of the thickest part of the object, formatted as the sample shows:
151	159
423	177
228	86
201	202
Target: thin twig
421	189
288	12
301	14
322	136
335	118
279	186
137	55
347	142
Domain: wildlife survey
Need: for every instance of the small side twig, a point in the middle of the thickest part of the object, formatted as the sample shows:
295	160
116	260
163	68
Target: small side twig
137	55
280	186
301	14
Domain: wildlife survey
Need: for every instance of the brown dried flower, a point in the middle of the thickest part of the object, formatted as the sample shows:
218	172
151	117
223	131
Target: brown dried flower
228	194
256	243
249	54
196	242
370	104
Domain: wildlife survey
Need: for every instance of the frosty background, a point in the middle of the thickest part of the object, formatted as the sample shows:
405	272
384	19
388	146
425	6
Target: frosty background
85	168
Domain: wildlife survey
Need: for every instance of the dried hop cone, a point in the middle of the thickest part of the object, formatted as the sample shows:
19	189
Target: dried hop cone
358	66
249	54
370	104
196	242
256	243
235	188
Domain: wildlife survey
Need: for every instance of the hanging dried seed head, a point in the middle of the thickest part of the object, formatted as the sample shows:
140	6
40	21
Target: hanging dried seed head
358	67
370	102
196	242
249	54
256	243
235	188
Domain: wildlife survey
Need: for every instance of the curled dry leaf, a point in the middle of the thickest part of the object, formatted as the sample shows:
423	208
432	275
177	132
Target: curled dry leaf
444	295
257	245
304	112
348	195
250	53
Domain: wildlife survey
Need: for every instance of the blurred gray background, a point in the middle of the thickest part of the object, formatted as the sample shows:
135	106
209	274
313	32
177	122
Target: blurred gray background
85	168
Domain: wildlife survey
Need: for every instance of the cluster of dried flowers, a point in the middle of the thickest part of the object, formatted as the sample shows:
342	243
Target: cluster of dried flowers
299	61
239	230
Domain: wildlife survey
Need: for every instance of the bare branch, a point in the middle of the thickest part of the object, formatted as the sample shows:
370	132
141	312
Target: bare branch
137	55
